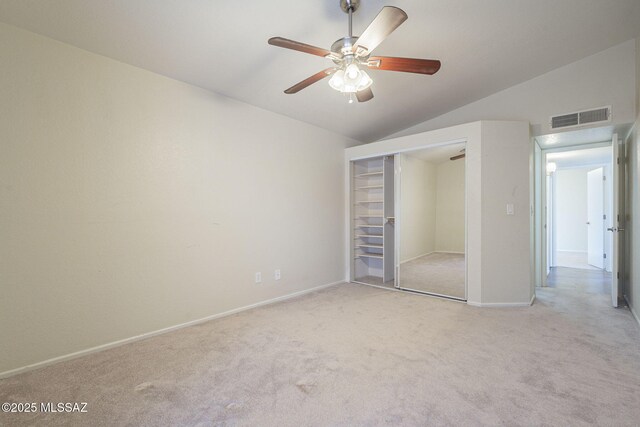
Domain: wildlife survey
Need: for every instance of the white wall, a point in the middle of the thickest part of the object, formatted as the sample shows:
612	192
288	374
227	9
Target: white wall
506	175
497	173
450	228
417	208
596	81
130	202
570	200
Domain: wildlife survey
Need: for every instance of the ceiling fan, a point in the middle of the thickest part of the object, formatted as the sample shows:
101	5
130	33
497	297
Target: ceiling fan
351	54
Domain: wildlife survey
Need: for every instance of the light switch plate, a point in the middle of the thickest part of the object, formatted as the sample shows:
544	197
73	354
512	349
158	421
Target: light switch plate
510	210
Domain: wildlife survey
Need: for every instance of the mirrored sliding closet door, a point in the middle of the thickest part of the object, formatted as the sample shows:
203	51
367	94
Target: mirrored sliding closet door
431	221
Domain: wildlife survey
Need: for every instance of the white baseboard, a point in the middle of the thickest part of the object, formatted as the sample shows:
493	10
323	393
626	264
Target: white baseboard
431	253
118	343
633	312
503	304
416	257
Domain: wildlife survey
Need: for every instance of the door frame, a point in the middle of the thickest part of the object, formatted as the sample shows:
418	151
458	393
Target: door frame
542	182
398	220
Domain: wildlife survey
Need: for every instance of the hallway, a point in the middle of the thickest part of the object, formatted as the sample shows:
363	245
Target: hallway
591	281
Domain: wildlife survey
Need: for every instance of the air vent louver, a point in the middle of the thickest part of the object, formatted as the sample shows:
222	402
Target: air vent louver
565	120
598	115
580	118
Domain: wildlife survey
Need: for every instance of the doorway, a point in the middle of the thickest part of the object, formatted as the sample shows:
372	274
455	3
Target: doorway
577	237
579	190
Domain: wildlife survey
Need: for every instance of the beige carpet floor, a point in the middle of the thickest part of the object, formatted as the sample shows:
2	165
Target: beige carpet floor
358	355
581	280
438	273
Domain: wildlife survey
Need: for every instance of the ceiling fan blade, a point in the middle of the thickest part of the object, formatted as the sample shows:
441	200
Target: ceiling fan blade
407	65
364	95
388	19
301	47
456	157
310	80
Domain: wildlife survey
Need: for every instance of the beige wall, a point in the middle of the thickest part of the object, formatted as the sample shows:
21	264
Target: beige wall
418	208
505	238
130	202
450	227
432	207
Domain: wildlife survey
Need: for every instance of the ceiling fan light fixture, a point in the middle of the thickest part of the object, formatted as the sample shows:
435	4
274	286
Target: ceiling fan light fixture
350	54
337	80
350	80
352	71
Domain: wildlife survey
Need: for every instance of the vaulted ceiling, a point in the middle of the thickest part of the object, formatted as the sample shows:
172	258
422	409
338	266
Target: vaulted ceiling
484	46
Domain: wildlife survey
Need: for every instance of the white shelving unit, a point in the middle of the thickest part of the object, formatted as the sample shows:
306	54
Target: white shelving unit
372	206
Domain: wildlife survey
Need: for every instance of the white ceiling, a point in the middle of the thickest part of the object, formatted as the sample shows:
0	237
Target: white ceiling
438	154
484	46
581	158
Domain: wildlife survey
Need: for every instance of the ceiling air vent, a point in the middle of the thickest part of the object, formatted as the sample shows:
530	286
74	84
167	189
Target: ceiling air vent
581	118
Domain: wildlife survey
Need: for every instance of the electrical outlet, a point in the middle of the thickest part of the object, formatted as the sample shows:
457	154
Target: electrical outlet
276	275
258	277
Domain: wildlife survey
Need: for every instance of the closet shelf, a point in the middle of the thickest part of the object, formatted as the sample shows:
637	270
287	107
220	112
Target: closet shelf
369	174
369	256
372	200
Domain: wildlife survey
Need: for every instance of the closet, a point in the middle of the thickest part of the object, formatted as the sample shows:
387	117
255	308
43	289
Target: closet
373	221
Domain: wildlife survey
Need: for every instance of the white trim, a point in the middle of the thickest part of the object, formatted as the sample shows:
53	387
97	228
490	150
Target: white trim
118	343
503	304
393	151
388	288
633	312
449	252
411	291
578	146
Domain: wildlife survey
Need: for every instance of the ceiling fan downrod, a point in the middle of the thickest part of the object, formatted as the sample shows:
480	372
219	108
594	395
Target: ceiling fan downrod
348	7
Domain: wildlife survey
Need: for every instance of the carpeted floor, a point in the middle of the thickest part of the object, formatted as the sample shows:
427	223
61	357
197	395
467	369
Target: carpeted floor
358	355
437	273
581	280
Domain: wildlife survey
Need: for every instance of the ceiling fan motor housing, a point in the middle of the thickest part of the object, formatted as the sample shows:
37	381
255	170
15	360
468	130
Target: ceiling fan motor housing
345	5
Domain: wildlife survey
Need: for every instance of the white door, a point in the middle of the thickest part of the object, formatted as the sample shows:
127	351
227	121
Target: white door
616	165
595	218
